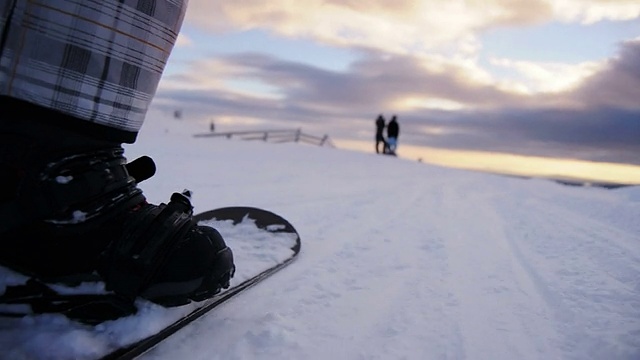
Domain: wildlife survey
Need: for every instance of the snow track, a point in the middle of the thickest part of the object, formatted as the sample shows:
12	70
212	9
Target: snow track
407	261
402	260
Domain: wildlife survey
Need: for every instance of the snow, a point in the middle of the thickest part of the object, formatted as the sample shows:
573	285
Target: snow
399	260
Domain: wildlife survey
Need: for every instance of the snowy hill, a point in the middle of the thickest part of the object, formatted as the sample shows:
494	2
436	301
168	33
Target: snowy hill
400	260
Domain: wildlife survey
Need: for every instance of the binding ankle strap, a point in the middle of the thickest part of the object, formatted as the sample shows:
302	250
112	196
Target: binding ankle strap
72	190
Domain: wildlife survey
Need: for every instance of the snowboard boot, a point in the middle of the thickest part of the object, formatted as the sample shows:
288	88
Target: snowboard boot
71	211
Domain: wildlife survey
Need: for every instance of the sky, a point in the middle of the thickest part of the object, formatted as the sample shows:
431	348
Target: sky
539	78
414	262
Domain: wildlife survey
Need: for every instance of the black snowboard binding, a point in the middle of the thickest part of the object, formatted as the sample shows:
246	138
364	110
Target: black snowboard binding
71	212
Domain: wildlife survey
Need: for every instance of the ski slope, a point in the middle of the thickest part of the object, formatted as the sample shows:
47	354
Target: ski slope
400	260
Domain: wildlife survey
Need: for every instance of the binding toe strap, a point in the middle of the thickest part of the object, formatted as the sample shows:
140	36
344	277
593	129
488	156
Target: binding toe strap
131	262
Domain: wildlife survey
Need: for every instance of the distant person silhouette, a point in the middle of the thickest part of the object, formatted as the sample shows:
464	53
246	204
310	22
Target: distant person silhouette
380	124
393	130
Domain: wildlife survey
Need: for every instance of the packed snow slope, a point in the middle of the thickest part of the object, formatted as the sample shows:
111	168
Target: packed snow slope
403	260
399	260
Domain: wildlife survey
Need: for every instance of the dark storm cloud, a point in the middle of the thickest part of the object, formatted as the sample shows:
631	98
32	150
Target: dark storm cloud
603	134
377	79
618	84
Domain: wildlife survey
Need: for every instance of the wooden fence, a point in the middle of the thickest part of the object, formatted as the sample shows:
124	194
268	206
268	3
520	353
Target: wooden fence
275	136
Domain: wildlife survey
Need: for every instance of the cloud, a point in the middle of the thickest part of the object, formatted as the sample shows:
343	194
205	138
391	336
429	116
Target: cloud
401	82
410	83
592	11
548	77
439	33
183	41
389	81
617	84
602	134
399	26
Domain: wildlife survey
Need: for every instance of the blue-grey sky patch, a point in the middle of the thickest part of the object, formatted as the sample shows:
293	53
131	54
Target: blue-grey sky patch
558	42
300	50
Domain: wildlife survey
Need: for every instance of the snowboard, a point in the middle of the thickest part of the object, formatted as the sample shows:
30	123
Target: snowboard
262	243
